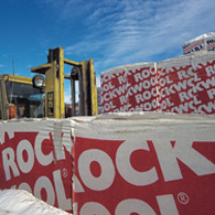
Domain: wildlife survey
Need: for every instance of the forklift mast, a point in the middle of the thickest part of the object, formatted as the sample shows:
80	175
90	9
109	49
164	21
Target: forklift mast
83	72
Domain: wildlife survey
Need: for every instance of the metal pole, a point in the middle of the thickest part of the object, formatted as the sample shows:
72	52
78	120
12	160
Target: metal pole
73	97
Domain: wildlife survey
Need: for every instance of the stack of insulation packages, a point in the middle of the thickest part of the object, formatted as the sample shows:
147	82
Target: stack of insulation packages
183	84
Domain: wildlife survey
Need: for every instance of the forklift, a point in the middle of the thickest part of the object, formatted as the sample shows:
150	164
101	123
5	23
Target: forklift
43	95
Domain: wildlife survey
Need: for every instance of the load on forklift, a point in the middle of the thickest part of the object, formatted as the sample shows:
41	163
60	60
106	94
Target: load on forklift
44	97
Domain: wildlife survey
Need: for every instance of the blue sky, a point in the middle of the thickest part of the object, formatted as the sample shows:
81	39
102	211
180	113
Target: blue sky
112	32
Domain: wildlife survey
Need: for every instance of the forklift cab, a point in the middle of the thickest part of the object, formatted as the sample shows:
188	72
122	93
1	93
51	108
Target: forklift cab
18	98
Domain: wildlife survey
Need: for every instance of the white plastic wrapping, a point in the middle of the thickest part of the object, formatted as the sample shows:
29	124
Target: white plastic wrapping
18	202
204	42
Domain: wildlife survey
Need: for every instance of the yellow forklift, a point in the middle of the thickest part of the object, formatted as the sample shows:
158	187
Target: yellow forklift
43	96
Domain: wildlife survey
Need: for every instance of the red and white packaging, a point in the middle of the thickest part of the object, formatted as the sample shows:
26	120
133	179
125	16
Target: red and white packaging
36	156
129	88
185	84
204	42
114	86
124	163
144	163
142	87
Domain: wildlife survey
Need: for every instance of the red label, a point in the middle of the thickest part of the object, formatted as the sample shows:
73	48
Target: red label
30	161
143	177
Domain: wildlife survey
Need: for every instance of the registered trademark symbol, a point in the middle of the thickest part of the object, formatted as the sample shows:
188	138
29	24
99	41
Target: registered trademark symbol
64	172
183	198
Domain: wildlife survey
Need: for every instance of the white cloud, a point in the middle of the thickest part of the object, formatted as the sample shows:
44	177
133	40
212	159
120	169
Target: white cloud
67	99
124	32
